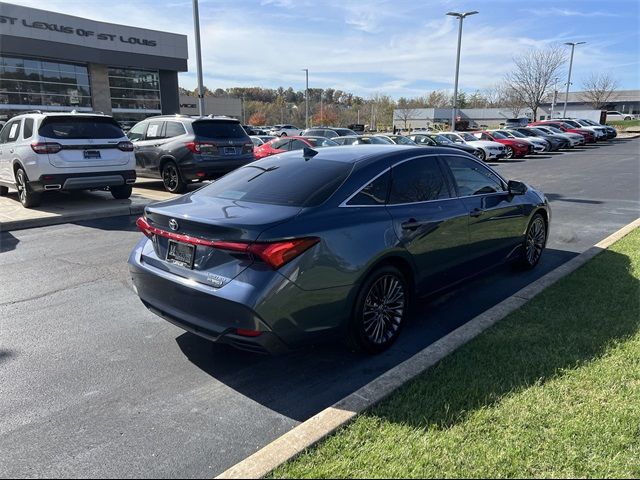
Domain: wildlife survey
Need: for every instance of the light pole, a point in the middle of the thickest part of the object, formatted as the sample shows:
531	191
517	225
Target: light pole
196	27
566	95
554	98
461	17
306	99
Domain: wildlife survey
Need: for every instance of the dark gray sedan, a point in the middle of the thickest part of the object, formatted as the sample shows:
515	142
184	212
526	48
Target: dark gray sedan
337	241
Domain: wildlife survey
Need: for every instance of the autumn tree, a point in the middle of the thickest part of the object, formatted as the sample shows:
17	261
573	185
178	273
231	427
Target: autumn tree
598	89
533	74
258	118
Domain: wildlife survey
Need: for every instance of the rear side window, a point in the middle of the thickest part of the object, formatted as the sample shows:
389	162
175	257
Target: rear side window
218	129
28	128
270	181
9	132
75	128
174	129
280	144
375	193
418	180
154	130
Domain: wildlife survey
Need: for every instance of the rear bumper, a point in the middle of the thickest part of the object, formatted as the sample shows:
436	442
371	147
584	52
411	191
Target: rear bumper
83	181
200	170
201	309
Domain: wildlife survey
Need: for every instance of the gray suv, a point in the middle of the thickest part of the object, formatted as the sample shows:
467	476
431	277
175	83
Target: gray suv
181	149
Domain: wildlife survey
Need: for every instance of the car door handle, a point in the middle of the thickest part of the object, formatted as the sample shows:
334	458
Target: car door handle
476	212
411	224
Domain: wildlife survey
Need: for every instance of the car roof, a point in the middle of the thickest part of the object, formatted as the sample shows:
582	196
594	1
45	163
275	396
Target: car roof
362	153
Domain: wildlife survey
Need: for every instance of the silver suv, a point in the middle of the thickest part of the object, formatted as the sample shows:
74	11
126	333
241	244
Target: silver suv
42	152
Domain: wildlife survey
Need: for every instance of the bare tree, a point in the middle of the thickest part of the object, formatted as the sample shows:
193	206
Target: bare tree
438	99
405	111
533	74
508	97
598	89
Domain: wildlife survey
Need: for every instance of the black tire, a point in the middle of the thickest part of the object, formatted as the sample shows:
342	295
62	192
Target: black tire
380	311
535	240
121	192
172	179
481	155
28	198
508	152
3	191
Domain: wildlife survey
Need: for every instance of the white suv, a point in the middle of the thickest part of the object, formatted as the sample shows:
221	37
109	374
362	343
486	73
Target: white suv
40	152
285	131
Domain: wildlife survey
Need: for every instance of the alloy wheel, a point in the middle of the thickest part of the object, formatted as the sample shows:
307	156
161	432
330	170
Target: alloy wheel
170	177
509	152
481	155
21	186
384	309
536	236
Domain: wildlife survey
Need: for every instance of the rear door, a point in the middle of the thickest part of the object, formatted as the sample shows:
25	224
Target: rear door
151	148
86	141
496	218
429	220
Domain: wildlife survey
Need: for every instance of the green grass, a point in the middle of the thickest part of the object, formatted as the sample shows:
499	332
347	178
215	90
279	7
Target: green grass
553	390
624	123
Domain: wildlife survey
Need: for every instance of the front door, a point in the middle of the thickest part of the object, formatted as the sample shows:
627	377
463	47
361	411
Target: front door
496	218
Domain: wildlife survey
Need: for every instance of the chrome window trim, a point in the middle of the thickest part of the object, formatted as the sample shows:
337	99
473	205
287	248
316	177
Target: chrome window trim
505	183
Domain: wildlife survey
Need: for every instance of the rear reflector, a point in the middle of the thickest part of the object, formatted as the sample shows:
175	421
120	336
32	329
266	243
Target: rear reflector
47	147
274	254
247	333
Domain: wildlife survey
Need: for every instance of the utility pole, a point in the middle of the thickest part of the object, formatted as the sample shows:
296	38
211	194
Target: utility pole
321	115
566	96
306	99
461	17
196	27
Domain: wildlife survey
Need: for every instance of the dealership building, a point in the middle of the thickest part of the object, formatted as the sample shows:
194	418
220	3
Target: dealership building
52	61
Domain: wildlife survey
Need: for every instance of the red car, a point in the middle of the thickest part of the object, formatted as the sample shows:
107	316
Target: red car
287	144
588	135
514	148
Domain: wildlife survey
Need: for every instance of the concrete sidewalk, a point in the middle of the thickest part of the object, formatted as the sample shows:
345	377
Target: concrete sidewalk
65	207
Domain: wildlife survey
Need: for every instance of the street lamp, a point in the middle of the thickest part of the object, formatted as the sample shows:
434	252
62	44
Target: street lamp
306	99
460	16
196	27
566	95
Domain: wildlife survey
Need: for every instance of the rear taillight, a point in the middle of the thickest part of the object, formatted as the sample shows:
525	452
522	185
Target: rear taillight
247	148
201	147
277	254
125	146
46	147
274	254
243	332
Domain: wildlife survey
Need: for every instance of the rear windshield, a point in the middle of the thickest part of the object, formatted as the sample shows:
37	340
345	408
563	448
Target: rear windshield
218	129
76	128
283	180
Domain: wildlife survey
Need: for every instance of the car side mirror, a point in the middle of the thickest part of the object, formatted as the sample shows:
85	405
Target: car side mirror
517	188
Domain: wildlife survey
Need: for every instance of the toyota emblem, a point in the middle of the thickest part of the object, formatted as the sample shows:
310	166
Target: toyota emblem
173	225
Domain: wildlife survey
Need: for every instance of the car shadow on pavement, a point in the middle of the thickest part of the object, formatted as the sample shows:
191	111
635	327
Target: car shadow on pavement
8	242
303	382
515	355
561	198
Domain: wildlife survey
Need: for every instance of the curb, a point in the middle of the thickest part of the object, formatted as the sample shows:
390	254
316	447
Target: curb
74	217
329	420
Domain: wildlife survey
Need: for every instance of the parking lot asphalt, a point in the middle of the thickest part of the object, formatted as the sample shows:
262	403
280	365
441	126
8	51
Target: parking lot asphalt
91	384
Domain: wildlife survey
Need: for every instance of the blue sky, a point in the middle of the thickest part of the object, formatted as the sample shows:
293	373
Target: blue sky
394	47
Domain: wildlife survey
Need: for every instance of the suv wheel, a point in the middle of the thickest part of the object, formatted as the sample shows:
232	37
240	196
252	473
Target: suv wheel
3	191
481	155
121	192
172	179
380	312
28	197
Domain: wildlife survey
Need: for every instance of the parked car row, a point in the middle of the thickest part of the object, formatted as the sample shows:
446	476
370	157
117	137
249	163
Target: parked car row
51	151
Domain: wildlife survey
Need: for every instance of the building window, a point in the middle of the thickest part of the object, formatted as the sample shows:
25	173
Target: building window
134	89
30	82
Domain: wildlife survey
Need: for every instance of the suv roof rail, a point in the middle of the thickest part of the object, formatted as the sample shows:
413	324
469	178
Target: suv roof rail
25	112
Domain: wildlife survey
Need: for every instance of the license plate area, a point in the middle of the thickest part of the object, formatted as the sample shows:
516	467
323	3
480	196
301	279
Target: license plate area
92	154
229	150
181	254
